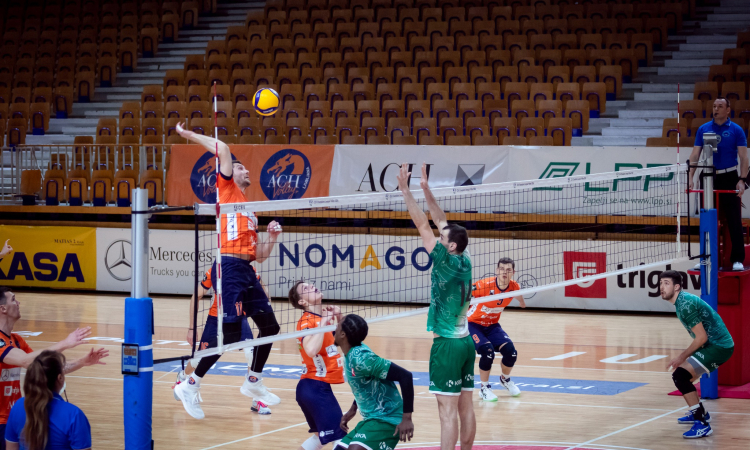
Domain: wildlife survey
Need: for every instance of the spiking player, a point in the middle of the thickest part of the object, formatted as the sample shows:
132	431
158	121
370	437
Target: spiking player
386	417
452	355
484	327
210	329
323	367
241	293
712	346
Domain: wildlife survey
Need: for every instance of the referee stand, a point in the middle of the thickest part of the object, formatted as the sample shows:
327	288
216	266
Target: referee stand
728	292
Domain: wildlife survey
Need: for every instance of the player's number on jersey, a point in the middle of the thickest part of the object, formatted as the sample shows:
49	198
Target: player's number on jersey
465	296
238	305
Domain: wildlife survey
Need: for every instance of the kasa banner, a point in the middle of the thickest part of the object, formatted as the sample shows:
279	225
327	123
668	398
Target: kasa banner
49	257
397	269
276	172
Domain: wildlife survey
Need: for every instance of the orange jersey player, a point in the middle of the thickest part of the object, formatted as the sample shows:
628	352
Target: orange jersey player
484	327
241	293
323	367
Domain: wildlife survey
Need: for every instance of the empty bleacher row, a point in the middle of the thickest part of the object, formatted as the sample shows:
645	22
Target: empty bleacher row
61	50
427	61
730	80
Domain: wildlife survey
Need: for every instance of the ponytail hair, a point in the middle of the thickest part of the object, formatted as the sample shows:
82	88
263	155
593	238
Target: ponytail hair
39	386
355	328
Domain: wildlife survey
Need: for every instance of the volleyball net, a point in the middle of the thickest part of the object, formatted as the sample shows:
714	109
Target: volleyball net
366	257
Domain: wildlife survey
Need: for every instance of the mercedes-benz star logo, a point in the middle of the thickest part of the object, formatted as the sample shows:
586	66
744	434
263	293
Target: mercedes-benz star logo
117	260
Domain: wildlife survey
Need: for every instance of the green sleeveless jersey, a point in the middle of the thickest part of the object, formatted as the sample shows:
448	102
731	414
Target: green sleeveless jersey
450	294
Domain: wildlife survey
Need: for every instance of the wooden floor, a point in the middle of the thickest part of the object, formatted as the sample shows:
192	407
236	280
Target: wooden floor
640	418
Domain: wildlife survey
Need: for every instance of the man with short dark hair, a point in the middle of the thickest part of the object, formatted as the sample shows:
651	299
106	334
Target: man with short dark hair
712	346
452	355
732	145
486	332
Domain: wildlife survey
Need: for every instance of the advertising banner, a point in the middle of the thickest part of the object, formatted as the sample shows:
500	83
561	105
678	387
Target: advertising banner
50	257
171	261
277	172
366	169
380	268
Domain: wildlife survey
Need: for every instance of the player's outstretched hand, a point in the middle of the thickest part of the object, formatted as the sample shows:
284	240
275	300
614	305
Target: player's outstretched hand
6	249
349	415
424	181
274	229
331	312
95	357
77	337
180	127
405	430
403	177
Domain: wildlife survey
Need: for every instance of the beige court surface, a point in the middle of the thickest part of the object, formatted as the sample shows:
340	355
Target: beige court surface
607	345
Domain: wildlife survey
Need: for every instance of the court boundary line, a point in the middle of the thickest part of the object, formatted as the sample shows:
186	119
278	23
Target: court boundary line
626	428
529	443
255	436
432	397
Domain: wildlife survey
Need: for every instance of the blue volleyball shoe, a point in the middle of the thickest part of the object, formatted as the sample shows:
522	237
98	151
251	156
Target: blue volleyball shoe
688	418
698	431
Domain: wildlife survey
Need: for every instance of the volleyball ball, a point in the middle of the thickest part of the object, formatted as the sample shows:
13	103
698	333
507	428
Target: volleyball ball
266	102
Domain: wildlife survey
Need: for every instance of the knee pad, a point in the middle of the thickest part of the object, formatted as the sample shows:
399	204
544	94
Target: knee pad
249	354
313	443
509	354
486	356
681	378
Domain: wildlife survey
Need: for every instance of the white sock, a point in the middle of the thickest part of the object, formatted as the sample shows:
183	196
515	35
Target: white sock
504	377
694	407
251	374
486	384
196	379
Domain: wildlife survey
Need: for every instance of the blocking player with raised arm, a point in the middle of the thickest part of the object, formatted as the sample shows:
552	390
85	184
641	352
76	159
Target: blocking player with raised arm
452	355
486	332
210	329
386	416
241	293
712	346
323	367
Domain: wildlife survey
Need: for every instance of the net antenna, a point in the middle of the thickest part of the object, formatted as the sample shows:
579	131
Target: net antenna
679	240
217	276
361	251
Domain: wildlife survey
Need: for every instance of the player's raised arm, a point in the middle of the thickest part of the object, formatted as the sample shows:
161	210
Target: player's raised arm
436	212
212	145
416	213
265	248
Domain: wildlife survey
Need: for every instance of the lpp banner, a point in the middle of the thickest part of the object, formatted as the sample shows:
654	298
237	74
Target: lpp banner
277	172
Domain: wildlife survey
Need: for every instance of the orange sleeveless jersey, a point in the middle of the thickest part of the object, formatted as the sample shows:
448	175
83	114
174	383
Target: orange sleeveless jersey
238	229
488	313
10	381
206	284
327	365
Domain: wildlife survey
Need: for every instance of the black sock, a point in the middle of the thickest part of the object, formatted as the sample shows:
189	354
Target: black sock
699	413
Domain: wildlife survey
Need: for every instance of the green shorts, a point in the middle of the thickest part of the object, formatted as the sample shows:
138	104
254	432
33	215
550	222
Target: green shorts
452	365
708	358
372	434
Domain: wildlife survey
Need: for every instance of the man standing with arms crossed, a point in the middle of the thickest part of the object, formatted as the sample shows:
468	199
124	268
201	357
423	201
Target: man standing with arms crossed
732	145
452	355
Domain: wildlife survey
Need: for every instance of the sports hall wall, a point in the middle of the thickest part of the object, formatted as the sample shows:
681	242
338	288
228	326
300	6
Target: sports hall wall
99	258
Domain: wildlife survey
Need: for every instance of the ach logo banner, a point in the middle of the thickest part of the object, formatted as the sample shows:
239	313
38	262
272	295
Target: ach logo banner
582	264
283	172
53	257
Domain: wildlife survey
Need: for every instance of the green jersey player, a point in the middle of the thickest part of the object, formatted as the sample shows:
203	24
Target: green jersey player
386	417
452	355
711	347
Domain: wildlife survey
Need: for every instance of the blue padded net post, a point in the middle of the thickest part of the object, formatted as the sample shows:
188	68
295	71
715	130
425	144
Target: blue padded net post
138	389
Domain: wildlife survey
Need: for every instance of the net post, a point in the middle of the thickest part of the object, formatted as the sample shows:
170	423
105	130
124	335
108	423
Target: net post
709	246
679	228
138	389
217	275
